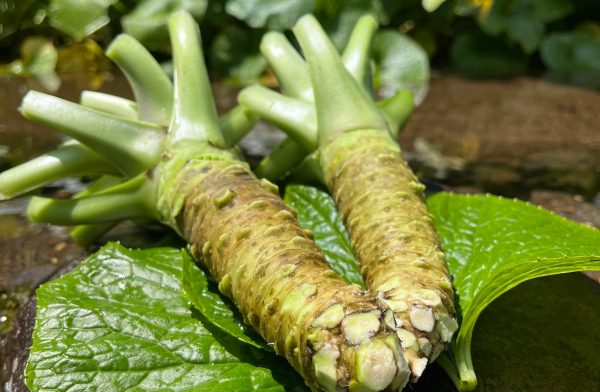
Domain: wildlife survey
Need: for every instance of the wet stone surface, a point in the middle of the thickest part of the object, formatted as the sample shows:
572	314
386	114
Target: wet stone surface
29	255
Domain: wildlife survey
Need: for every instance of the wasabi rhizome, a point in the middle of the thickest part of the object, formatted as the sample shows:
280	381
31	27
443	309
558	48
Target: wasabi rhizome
328	106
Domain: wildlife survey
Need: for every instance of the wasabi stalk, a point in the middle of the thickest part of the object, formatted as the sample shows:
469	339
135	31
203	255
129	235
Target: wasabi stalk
379	197
334	334
152	88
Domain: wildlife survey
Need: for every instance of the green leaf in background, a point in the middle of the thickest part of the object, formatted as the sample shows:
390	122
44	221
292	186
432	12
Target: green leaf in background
148	21
551	10
218	310
39	56
573	57
316	211
338	17
492	245
235	55
477	55
402	63
77	18
523	21
16	14
119	322
526	32
38	59
270	14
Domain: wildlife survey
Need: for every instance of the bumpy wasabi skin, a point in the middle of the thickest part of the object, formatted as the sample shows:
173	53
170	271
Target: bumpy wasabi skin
332	333
392	234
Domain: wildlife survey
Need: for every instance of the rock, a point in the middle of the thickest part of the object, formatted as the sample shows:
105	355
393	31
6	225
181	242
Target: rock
509	136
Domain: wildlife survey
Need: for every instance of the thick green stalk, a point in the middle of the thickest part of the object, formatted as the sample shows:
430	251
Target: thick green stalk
287	155
195	115
133	199
309	171
342	105
397	110
151	86
131	146
84	235
356	56
107	103
295	116
69	160
236	123
287	64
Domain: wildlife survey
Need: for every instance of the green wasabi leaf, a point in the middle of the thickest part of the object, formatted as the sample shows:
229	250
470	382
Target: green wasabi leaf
272	14
119	322
572	57
479	55
216	308
338	17
38	59
148	21
235	55
524	21
492	245
316	212
401	63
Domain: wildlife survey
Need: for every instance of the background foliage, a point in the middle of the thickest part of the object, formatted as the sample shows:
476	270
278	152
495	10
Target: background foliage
558	39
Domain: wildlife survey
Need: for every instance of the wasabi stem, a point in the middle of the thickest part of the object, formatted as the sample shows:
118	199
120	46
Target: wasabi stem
287	155
342	91
288	65
356	53
107	103
70	160
85	235
236	123
195	115
151	86
132	199
132	146
296	116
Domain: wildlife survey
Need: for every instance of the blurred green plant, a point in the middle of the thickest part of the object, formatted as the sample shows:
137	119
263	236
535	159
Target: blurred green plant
557	39
38	58
573	57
